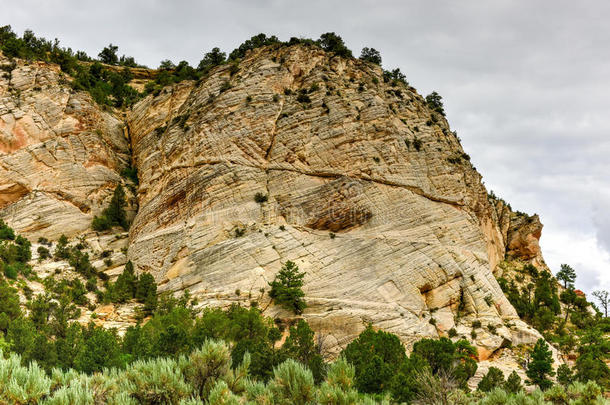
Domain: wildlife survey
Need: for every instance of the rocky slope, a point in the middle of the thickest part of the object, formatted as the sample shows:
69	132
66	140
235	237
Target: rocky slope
60	153
368	191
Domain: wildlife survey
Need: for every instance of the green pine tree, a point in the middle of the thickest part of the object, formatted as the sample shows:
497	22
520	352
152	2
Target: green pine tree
567	275
540	367
114	214
286	288
513	383
494	378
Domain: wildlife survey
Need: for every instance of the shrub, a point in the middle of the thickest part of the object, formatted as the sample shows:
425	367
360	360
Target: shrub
225	86
207	365
377	357
452	332
564	375
260	198
43	253
146	292
332	42
292	383
6	232
394	77
10	271
286	288
156	381
417	144
20	384
109	56
130	173
435	103
513	383
476	324
303	98
256	41
211	59
371	55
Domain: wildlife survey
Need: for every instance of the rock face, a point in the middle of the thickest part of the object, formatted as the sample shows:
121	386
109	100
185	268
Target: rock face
60	153
293	154
368	192
516	235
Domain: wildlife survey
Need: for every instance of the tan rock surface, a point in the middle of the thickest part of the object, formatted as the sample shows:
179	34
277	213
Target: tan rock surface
60	153
412	225
369	192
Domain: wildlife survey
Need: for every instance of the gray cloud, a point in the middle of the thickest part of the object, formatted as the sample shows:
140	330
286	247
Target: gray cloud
526	84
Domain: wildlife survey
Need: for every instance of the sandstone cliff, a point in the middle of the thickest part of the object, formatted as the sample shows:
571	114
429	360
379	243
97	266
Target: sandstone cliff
60	153
368	191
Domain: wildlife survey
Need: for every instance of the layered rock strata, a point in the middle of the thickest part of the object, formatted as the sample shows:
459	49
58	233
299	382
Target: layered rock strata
60	153
368	191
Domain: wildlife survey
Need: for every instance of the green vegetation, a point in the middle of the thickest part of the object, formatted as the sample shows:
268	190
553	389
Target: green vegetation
603	297
179	353
14	253
114	214
493	379
107	87
332	42
567	275
260	198
286	288
435	103
565	320
540	367
130	173
394	77
371	55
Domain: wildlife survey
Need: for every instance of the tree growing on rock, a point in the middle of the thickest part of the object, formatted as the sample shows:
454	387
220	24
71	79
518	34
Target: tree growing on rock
567	275
603	297
435	102
332	42
540	367
109	55
286	288
494	378
513	383
114	214
371	55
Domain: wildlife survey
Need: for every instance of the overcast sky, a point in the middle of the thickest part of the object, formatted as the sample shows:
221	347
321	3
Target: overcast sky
526	84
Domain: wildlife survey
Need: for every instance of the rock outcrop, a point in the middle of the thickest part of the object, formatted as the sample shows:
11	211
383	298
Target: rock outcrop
292	154
60	153
368	191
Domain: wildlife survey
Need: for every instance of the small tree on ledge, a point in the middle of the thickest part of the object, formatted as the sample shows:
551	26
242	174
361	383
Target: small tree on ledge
286	288
114	214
